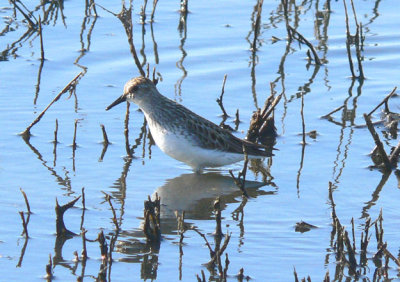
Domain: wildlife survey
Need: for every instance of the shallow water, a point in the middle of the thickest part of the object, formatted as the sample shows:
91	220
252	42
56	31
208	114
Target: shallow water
192	62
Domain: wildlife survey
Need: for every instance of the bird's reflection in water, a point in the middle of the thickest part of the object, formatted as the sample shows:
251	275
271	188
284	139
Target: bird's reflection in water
193	193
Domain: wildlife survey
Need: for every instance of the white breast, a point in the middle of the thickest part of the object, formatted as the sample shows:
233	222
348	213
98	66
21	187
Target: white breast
183	149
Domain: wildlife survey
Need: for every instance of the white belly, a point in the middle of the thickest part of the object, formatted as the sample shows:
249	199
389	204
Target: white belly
182	149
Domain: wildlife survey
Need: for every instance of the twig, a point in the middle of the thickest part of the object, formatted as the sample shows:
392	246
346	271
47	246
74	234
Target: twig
154	10
225	274
350	251
31	23
49	269
181	230
103	246
60	210
203	277
296	35
383	101
330	189
357	41
126	131
303	125
296	278
237	119
154	79
105	137
272	107
26	133
26	201
389	254
257	24
240	181
218	254
353	234
378	143
217	209
240	275
219	100
394	156
83	207
56	133
143	12
41	40
21	257
55	142
348	36
108	198
84	250
152	228
24	224
334	111
184	6
212	253
262	122
74	138
125	16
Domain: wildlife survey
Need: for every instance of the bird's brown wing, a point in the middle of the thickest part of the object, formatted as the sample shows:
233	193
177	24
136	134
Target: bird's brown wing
210	136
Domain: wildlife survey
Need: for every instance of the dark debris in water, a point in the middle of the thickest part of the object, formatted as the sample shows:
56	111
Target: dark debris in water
303	226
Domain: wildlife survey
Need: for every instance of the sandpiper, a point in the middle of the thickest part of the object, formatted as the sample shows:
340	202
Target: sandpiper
184	135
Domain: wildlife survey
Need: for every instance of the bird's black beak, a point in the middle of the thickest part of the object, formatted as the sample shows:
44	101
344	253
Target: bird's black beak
116	102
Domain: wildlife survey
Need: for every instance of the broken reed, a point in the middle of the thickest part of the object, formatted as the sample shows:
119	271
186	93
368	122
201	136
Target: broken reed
356	40
105	137
262	124
216	261
346	252
294	34
22	215
152	224
240	180
61	230
387	162
70	86
219	100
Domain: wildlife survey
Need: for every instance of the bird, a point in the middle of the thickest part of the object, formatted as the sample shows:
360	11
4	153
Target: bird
184	135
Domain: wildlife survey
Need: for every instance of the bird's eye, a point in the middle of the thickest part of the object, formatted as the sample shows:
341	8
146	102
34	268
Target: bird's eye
134	88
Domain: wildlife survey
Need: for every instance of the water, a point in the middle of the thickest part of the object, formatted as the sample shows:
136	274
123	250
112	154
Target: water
217	41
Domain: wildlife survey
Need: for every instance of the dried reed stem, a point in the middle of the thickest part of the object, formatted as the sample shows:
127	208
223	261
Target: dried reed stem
154	10
49	269
56	133
303	124
26	201
60	210
84	249
24	224
74	138
41	40
257	24
299	37
31	23
348	36
126	131
240	181
26	133
105	137
83	207
378	142
383	101
219	100
334	111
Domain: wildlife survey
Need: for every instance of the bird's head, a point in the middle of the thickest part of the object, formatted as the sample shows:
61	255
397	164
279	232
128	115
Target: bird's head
135	90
